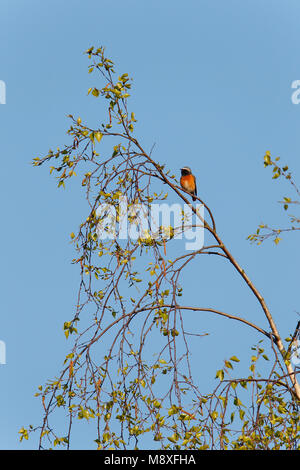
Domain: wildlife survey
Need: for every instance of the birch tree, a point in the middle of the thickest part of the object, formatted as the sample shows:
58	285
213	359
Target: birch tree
129	367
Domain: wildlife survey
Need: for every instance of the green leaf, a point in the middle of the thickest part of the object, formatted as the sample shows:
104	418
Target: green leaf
237	402
228	364
96	92
235	359
220	374
267	159
98	135
173	438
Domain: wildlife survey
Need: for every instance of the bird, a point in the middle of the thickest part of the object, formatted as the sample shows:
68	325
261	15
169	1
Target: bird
188	181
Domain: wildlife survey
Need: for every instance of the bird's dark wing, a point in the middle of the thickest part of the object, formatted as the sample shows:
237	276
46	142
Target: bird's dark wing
195	192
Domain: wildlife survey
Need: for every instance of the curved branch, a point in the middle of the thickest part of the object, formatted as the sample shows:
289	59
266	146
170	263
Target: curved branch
224	314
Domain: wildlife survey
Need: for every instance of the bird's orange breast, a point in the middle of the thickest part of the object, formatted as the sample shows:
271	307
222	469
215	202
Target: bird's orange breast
188	182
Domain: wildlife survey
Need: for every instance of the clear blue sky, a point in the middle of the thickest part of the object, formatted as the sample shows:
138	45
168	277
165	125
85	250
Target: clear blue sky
212	89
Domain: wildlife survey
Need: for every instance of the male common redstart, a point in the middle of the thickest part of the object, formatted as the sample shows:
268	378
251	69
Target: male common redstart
188	181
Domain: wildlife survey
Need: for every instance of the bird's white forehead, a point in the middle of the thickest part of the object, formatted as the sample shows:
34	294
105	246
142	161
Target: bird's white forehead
187	168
